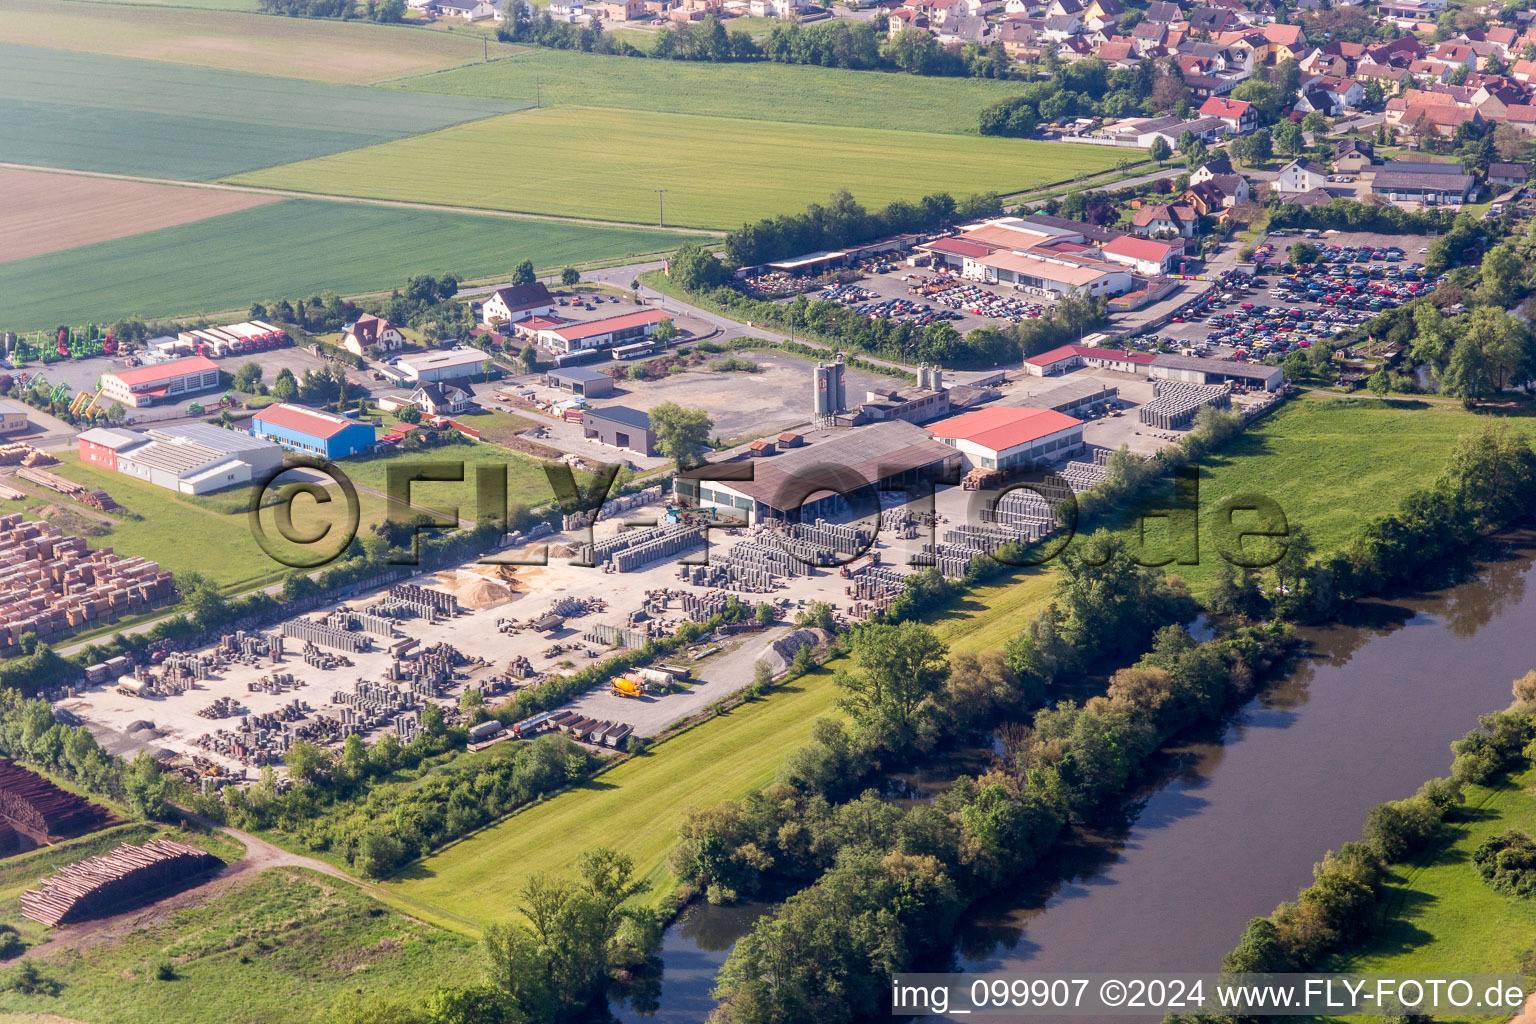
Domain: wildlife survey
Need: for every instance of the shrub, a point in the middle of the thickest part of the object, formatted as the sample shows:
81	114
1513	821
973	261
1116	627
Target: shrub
1508	862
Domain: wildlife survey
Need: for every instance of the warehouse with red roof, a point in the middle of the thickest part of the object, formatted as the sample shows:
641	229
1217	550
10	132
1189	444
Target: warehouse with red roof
161	382
1074	357
312	432
1007	436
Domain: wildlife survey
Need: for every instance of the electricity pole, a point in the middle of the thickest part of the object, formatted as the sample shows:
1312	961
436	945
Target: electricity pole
661	207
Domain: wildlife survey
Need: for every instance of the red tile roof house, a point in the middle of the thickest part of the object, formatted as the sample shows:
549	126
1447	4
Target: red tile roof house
1238	115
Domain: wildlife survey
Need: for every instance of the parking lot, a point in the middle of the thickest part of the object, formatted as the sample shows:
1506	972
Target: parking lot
923	296
1286	307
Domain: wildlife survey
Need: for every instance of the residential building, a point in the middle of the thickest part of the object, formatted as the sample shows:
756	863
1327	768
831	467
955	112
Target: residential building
1164	220
513	302
311	431
1508	175
161	382
624	10
465	10
1239	116
370	335
441	399
99	445
1301	176
1351	156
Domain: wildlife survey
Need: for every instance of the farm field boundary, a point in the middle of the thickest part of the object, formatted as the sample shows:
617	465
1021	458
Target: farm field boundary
764	91
47	213
718	171
290	249
98	113
349	52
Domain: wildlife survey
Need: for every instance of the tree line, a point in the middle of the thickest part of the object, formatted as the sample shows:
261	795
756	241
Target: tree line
843	223
381	11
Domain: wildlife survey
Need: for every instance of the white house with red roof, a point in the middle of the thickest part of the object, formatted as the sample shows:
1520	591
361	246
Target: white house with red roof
1144	255
515	301
371	334
1238	115
161	382
1003	437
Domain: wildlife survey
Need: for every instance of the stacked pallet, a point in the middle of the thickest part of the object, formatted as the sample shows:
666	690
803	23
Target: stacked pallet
51	582
19	453
96	885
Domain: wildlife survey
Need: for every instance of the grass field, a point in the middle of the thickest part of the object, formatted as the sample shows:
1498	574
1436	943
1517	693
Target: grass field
96	113
48	212
293	248
769	92
636	806
211	5
1331	464
279	949
1441	916
719	171
352	52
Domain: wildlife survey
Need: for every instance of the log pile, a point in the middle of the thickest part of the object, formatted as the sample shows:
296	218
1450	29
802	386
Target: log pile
38	808
96	885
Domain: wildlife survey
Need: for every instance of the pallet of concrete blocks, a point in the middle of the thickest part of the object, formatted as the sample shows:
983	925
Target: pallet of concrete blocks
608	636
986	539
839	538
520	667
326	636
1178	402
407	725
951	561
97	885
642	547
194	666
772	557
439	601
222	707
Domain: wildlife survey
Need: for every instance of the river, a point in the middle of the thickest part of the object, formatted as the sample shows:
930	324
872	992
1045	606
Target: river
1229	823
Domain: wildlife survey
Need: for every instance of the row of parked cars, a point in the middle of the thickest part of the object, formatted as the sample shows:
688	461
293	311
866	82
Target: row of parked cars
869	303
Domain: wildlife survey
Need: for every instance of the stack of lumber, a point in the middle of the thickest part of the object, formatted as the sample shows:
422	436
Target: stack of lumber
19	453
42	810
99	500
96	885
9	493
52	481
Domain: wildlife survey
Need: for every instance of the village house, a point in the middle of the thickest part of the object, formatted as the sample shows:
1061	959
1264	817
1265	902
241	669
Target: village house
370	335
1240	117
1300	176
1162	220
1351	156
441	399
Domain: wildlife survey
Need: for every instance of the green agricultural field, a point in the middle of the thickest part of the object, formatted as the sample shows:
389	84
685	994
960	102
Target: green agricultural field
768	92
1439	915
1331	464
293	248
353	52
635	807
95	113
718	171
279	949
211	5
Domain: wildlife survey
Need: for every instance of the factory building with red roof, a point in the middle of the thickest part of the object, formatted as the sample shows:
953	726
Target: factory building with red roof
1003	437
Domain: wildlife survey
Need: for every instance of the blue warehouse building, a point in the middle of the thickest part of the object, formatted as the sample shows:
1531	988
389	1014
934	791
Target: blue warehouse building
313	432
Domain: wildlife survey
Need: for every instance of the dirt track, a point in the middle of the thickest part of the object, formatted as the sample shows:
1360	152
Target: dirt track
259	856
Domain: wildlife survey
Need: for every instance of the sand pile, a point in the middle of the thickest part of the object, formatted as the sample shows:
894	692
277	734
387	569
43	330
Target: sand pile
474	591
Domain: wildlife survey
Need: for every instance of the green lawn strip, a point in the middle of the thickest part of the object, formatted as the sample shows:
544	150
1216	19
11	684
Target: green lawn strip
277	949
763	91
290	250
1331	464
98	113
718	171
1439	916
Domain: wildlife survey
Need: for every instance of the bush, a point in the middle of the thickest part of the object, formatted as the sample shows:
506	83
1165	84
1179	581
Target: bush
1508	862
